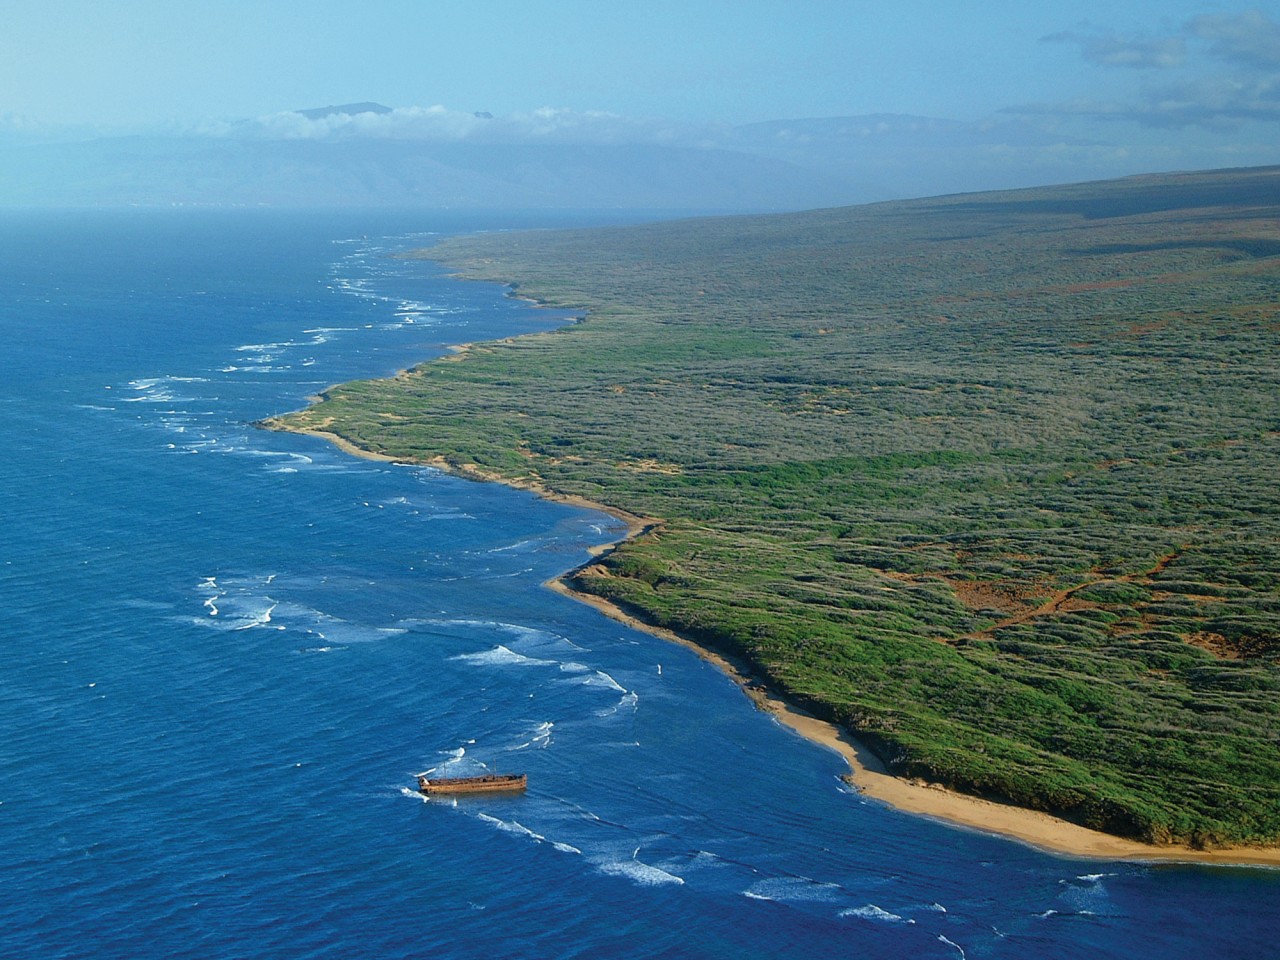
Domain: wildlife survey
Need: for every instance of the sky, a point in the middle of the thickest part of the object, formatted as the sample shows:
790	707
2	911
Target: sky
1173	80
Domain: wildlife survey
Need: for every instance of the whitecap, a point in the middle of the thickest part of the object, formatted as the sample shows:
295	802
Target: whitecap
629	699
526	634
602	679
795	890
259	619
539	736
501	656
872	912
513	546
952	943
1094	877
640	873
512	826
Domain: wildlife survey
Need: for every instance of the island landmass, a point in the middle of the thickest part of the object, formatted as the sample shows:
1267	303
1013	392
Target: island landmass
979	490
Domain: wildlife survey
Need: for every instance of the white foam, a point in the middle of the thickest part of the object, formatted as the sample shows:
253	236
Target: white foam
516	828
512	826
795	890
502	656
159	389
513	546
952	943
210	586
273	454
640	873
602	679
528	634
539	737
266	349
260	619
629	699
872	912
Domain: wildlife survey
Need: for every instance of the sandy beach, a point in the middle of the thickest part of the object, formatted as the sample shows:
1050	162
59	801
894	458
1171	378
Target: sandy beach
867	774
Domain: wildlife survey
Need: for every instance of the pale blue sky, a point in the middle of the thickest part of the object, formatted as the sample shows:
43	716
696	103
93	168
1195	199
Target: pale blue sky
144	62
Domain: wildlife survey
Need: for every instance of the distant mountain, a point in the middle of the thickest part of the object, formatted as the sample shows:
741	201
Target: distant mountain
379	173
346	110
896	156
370	155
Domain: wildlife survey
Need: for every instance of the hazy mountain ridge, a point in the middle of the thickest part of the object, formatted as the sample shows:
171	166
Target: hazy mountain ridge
358	173
370	155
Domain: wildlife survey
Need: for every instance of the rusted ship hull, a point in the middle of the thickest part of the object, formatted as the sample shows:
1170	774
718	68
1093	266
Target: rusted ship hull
492	783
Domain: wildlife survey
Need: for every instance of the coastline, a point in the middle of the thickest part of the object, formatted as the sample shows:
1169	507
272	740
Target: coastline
868	776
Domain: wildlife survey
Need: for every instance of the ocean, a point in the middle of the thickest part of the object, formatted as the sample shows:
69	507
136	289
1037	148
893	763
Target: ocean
226	653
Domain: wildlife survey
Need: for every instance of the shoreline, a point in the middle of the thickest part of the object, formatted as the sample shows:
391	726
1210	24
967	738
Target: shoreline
868	776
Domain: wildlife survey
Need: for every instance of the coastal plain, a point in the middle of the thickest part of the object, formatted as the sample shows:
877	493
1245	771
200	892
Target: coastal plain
987	481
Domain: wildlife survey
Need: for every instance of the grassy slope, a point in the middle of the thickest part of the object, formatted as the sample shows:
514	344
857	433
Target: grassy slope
990	479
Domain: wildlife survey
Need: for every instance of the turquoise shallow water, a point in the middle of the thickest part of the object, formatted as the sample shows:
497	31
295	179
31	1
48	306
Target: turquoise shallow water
224	654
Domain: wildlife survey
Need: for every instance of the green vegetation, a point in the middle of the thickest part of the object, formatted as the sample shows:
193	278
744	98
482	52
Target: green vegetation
991	479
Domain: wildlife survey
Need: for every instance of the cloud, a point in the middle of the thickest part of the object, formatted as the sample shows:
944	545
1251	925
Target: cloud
439	124
408	123
1214	102
1251	38
1113	50
1197	91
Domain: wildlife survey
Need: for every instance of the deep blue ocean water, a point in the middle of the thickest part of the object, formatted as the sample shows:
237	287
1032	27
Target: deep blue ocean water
224	654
